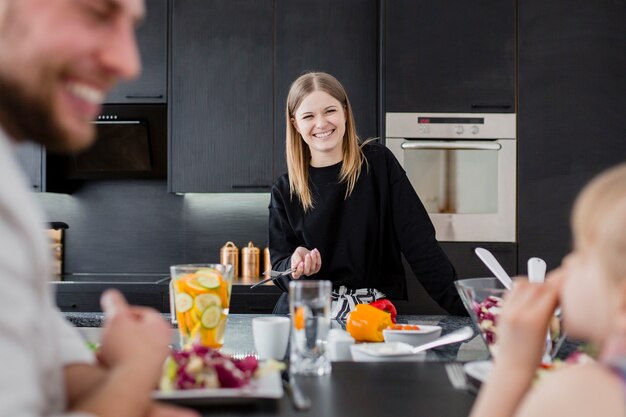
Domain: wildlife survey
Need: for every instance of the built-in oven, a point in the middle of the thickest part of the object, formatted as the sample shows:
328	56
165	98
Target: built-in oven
463	167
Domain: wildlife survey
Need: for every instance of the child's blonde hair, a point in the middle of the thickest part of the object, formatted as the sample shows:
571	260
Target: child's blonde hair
298	154
599	220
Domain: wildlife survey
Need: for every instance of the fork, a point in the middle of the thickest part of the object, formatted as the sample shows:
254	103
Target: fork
272	276
457	377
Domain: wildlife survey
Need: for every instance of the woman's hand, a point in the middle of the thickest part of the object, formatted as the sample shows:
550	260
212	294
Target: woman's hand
305	262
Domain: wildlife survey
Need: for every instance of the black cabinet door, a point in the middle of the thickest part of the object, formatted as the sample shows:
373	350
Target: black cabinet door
30	157
450	55
338	37
571	113
151	85
221	134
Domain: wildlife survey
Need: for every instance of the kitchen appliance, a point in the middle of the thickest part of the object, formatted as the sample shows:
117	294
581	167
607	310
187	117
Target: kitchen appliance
463	167
131	143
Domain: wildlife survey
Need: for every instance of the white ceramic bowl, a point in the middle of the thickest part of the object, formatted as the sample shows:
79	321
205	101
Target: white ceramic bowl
425	334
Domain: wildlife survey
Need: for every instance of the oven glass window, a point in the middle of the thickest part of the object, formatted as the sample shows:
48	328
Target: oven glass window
454	181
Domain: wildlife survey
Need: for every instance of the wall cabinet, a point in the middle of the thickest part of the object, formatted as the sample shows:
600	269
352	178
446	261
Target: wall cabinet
232	66
337	37
151	85
571	114
221	132
450	56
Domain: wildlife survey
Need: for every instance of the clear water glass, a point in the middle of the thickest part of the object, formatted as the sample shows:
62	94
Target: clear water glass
309	305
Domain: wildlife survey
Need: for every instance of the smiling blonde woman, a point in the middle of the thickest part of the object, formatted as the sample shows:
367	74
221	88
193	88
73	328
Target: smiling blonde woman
350	205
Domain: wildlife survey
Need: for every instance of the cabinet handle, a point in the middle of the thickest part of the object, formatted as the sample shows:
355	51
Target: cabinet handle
250	186
450	145
116	122
490	106
140	96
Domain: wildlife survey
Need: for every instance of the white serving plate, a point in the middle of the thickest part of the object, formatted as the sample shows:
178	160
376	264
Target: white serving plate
267	386
388	351
425	334
479	370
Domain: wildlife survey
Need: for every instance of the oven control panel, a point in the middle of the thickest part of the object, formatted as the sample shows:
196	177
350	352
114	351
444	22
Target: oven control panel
451	125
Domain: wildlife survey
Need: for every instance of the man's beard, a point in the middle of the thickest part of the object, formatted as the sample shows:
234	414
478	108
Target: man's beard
28	117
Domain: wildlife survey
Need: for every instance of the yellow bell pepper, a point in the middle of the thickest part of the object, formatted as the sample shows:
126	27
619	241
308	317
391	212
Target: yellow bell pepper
366	323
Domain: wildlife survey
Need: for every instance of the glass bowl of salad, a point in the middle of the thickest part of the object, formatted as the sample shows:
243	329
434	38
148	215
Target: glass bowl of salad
484	299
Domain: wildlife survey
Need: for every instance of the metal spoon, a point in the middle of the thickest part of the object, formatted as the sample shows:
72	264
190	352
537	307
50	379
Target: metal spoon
298	399
495	267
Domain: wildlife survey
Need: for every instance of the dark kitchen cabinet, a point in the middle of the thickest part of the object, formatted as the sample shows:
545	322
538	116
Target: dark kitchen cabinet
151	85
449	55
221	130
338	37
571	113
30	157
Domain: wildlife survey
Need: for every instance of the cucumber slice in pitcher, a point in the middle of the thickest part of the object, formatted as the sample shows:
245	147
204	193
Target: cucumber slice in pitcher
209	281
183	302
204	301
211	317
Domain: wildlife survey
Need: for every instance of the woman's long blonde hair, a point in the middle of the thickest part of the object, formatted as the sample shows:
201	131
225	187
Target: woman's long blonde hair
298	153
599	220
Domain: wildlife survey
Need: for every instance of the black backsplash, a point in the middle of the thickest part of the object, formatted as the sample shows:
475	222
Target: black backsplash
138	227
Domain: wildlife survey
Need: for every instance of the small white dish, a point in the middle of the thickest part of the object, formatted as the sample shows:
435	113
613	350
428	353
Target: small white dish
479	370
425	334
338	345
390	351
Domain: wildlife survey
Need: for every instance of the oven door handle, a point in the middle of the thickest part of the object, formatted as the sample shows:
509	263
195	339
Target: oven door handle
452	145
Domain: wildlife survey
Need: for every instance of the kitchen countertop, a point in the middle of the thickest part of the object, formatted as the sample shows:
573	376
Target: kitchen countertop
238	337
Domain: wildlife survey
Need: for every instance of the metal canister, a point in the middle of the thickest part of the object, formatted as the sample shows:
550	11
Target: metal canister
229	255
250	261
267	262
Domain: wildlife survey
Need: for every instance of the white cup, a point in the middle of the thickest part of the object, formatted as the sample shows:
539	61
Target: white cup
271	336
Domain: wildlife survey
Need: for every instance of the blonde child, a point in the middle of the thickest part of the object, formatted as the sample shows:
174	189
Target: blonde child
590	285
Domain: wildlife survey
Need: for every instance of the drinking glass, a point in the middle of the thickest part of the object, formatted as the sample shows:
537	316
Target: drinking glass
309	305
199	301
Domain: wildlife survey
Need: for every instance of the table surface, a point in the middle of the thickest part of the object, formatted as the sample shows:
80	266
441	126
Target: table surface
355	388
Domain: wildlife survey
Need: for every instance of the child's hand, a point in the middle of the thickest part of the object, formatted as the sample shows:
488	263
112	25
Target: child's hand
523	325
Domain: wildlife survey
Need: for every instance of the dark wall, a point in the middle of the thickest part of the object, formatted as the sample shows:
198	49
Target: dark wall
137	227
572	84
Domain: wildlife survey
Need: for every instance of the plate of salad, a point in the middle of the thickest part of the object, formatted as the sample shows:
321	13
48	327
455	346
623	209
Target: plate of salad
202	376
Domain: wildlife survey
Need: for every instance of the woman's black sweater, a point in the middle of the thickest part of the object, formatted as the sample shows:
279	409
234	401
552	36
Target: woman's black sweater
360	238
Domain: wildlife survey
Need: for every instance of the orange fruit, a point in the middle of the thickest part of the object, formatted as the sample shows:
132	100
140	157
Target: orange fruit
298	318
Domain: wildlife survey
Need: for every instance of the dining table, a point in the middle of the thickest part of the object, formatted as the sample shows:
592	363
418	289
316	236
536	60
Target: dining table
363	389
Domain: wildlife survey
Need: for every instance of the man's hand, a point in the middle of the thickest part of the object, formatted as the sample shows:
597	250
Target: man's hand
132	334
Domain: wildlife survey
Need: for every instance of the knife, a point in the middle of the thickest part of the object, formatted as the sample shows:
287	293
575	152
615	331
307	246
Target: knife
273	276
